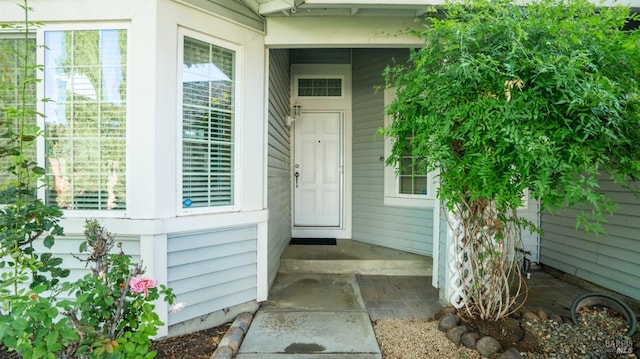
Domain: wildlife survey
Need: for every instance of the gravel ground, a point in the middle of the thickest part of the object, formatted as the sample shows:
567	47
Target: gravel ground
599	334
417	339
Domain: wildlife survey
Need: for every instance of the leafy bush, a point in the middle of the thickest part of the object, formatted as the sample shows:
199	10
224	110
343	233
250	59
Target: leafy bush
113	311
109	313
505	98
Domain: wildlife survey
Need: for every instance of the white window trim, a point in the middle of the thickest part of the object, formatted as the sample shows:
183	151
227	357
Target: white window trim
392	197
70	213
237	178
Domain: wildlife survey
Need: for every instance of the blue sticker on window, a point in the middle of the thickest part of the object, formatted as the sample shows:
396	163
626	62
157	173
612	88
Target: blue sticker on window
187	202
424	191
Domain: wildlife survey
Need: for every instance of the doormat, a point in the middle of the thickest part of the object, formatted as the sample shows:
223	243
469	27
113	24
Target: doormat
314	241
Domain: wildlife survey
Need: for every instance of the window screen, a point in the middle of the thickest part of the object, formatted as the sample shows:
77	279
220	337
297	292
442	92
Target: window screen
208	76
85	123
12	78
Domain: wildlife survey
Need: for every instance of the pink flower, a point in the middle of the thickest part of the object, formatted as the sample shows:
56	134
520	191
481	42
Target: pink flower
139	285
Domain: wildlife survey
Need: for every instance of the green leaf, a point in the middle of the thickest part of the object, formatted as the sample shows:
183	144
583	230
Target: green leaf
19	324
54	262
10	341
49	241
53	312
39	352
69	334
52	339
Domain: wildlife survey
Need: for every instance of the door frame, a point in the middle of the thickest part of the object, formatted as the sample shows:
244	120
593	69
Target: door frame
323	104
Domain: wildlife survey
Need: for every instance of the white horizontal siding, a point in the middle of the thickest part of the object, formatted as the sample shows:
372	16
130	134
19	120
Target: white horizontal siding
211	270
399	228
609	260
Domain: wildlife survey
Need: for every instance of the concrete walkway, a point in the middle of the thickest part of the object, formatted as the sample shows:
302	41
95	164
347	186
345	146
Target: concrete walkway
325	297
328	316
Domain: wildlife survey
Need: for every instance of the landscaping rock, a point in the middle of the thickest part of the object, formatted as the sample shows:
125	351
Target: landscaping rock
510	353
455	333
487	346
242	321
448	321
222	353
530	316
556	318
543	314
444	311
232	339
469	339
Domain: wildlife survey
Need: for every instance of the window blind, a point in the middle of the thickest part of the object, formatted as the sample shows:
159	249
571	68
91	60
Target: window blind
207	125
12	77
85	124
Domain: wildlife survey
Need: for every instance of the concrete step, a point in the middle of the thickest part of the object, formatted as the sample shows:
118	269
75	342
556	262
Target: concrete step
353	257
354	266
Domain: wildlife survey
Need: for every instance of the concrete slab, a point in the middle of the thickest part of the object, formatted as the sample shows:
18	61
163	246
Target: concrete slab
399	297
550	293
304	291
303	334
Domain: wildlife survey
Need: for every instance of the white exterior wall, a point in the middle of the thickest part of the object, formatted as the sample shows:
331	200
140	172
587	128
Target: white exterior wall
297	32
153	135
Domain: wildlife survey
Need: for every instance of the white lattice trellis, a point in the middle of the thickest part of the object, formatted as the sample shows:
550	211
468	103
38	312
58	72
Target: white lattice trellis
458	263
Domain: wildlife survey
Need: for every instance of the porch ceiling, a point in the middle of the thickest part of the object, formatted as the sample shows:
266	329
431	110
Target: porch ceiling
404	8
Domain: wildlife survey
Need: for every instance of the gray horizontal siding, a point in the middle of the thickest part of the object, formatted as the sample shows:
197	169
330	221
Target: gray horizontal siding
278	166
609	260
406	229
213	270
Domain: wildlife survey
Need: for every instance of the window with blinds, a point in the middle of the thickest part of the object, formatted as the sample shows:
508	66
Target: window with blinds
208	111
12	79
85	125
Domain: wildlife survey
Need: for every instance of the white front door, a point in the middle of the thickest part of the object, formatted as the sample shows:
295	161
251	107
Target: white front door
317	170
